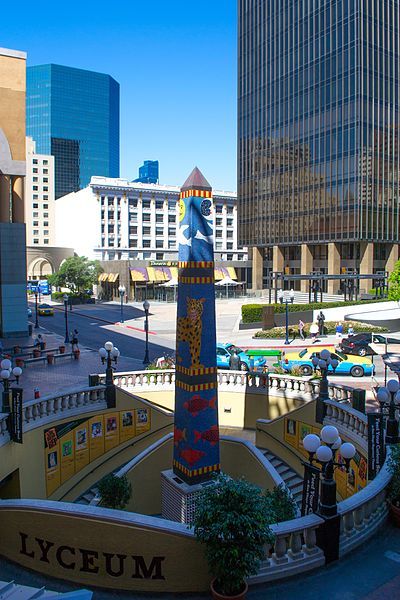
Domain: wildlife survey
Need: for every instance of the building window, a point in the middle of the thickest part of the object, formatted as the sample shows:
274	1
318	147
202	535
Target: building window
159	218
35	179
132	243
36	206
45	171
45	188
229	210
35	214
159	230
171	218
171	204
218	221
146	243
229	234
36	232
171	231
45	215
45	206
45	197
159	256
171	244
35	197
45	162
46	232
146	217
46	241
218	245
36	223
229	245
45	223
146	230
35	161
229	222
36	170
46	179
159	204
218	208
146	203
35	188
229	257
133	230
218	233
159	243
132	202
35	241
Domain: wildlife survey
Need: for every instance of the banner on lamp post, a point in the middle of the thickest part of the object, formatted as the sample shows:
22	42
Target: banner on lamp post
376	448
310	499
16	415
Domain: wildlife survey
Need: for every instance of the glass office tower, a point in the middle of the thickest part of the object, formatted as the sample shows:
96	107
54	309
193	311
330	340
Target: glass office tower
148	172
74	115
318	130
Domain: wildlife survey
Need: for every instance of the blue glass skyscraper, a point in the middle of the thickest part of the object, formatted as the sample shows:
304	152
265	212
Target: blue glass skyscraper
148	172
73	114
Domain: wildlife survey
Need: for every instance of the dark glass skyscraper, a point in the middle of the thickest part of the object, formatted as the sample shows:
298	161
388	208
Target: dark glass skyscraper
319	132
73	114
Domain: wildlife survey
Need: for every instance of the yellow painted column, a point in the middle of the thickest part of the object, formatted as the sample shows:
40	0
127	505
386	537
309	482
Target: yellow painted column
307	261
257	268
278	259
392	258
366	265
333	267
4	199
18	209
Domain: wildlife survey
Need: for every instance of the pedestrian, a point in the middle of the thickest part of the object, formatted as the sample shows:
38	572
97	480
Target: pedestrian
234	361
301	329
321	322
74	340
339	330
350	331
39	342
314	331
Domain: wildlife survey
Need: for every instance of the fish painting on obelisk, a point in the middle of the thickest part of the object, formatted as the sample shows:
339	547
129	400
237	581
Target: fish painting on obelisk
196	432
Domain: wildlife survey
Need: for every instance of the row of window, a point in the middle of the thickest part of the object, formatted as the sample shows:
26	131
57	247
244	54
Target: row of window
36	241
36	162
159	204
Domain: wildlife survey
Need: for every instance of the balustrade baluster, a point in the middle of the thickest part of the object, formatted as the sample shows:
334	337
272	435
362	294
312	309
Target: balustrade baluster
279	556
296	547
349	523
359	518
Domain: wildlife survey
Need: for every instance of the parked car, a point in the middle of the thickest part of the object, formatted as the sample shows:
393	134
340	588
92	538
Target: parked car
225	351
355	366
360	343
45	310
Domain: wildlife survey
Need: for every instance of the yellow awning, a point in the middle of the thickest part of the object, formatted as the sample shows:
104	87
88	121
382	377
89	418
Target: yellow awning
218	274
232	272
174	272
151	274
112	277
103	277
139	274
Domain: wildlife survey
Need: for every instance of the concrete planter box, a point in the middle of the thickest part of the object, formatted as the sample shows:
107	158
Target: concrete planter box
280	319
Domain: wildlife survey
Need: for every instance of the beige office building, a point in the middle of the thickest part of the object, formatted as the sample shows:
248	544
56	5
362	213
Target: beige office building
39	197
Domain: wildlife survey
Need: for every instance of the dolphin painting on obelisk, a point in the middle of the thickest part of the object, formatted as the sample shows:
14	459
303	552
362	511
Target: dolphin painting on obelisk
196	432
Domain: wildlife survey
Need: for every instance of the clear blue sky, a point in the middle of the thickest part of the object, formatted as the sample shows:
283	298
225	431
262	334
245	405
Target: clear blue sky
175	61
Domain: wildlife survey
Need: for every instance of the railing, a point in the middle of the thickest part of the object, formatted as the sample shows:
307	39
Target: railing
51	408
347	420
235	381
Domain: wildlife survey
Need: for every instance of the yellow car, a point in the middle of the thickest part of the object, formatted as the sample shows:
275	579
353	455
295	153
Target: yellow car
356	366
45	310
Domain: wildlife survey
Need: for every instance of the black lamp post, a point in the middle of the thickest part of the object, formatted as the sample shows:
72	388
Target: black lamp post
109	354
388	397
5	375
286	301
36	309
323	362
122	291
65	297
146	306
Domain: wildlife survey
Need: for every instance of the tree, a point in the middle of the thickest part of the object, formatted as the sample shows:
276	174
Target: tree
77	273
115	492
394	283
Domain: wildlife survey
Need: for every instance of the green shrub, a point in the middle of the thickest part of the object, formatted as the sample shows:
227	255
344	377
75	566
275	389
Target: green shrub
394	468
252	313
115	492
281	504
330	329
74	298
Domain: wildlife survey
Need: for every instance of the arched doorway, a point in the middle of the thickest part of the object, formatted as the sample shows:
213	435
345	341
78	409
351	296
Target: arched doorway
40	268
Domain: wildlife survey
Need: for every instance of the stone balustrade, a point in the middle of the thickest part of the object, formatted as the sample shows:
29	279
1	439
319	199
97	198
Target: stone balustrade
52	408
348	421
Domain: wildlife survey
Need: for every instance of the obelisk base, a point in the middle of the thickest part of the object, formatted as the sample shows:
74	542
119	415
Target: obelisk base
179	498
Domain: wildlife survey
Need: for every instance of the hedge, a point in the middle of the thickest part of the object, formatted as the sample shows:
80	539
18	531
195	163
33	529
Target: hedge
73	297
252	313
330	328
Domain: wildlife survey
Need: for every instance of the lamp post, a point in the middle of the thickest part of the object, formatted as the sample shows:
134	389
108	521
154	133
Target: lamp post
109	354
36	309
286	301
5	375
324	455
65	298
122	291
322	450
389	400
146	306
323	362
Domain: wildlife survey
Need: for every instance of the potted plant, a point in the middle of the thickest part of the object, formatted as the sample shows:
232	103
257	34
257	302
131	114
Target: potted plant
37	352
77	353
394	486
232	521
61	349
115	492
50	358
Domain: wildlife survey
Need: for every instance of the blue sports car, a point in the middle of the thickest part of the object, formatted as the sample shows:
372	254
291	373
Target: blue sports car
225	351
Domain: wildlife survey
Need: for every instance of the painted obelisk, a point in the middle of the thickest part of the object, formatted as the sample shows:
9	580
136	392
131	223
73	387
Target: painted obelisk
196	433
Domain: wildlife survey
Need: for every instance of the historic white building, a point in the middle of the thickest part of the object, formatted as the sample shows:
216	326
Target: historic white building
114	219
39	197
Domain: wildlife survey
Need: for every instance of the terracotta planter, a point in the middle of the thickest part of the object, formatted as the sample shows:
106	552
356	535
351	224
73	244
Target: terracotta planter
218	596
36	353
62	349
395	514
77	354
50	359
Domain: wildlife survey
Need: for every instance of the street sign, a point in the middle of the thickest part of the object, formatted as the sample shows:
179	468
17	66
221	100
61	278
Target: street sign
16	415
309	503
376	448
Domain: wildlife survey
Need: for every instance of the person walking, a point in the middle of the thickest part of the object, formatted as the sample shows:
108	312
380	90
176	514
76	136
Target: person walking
74	340
301	329
321	322
339	330
314	331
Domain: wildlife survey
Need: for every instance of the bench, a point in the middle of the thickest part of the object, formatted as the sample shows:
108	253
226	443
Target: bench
65	355
30	361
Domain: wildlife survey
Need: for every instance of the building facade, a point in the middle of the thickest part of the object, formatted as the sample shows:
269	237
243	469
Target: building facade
39	197
113	219
73	115
13	301
318	129
148	172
